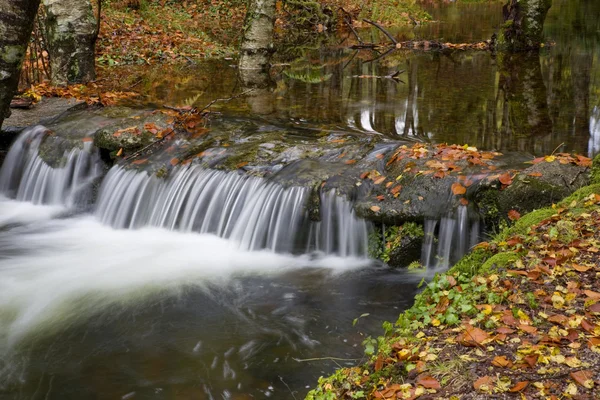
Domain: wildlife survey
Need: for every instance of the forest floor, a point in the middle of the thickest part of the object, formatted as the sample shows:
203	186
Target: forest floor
519	317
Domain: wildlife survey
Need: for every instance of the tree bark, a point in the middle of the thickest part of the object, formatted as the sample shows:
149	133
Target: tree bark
257	42
16	24
71	32
523	24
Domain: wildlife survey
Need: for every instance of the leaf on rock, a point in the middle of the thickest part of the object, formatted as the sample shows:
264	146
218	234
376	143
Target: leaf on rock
458	189
375	208
505	178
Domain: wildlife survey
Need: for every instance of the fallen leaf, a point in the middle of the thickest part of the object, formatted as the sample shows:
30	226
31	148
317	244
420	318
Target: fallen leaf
519	386
514	215
428	382
592	295
505	179
484	384
501	361
583	378
375	208
458	189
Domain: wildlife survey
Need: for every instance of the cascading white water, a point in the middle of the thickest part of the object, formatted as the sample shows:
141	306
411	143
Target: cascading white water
251	211
456	235
25	176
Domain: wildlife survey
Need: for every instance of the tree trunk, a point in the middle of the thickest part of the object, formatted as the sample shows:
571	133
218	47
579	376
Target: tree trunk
257	42
523	24
71	32
16	23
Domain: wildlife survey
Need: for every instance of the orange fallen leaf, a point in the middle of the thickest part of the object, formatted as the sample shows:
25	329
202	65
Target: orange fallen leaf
581	268
375	208
458	189
120	152
592	295
505	179
519	386
379	180
428	382
514	215
472	336
527	328
484	383
501	361
174	161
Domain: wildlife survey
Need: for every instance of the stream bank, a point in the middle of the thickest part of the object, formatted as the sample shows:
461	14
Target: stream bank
519	315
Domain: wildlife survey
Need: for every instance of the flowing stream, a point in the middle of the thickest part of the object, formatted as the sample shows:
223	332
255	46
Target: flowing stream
203	285
214	285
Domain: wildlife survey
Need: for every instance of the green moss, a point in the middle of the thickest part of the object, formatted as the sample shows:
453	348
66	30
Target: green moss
525	222
581	194
595	174
498	261
383	245
471	263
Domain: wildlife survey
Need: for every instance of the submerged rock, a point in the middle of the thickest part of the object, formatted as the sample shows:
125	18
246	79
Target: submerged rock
131	133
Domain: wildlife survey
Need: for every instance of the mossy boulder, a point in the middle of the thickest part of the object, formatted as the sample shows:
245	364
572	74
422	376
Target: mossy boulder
398	246
535	187
595	173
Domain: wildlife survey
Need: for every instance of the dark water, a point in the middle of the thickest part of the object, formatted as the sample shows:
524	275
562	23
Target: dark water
93	313
529	102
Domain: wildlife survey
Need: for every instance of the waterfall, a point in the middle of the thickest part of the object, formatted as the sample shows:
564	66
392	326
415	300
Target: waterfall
455	236
251	211
25	176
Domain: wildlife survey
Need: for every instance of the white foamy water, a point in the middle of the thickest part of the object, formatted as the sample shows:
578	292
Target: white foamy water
253	212
27	177
67	269
19	212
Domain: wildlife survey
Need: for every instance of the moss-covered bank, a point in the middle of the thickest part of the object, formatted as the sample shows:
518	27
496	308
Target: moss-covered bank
517	317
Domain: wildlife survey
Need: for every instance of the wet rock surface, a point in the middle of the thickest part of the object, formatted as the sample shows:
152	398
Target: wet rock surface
390	182
40	113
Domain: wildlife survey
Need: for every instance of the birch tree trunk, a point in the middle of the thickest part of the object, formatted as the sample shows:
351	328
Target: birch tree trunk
257	42
16	23
71	34
523	24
